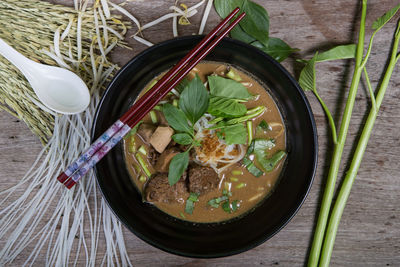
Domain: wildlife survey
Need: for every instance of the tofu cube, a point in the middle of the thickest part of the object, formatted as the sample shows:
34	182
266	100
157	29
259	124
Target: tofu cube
161	138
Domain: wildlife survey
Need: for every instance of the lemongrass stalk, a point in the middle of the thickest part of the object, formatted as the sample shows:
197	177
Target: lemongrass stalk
357	158
338	148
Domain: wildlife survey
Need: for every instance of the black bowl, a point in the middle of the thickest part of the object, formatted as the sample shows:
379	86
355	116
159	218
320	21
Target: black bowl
207	240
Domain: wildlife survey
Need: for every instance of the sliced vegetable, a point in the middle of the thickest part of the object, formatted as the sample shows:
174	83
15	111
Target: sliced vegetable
249	131
142	150
143	164
241	185
237	172
132	145
233	75
142	179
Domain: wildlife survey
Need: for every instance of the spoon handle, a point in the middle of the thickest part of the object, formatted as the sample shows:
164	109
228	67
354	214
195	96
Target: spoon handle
15	58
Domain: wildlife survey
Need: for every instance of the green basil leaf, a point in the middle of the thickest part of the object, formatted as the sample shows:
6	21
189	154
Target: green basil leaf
276	48
307	75
226	207
260	152
225	107
235	205
380	22
176	118
182	85
263	126
256	21
254	26
239	34
228	88
182	138
177	167
235	134
194	100
338	52
225	7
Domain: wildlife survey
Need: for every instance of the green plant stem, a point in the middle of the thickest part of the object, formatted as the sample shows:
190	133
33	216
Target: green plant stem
338	148
356	161
329	115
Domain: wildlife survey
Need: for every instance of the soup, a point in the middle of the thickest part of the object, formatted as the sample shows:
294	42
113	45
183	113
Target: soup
212	149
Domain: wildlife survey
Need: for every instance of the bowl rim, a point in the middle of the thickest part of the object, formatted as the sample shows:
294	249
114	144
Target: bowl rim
310	115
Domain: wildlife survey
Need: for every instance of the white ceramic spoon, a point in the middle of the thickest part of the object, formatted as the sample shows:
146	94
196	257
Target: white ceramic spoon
59	89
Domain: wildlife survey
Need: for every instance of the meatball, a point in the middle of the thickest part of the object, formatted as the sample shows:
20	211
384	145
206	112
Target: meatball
202	179
158	189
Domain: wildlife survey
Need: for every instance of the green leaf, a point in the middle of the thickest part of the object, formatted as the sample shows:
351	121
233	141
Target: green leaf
239	34
225	7
235	205
260	151
193	198
176	118
276	48
235	134
194	100
263	126
380	22
177	167
226	207
225	107
338	52
307	75
228	88
182	85
182	138
254	26
256	21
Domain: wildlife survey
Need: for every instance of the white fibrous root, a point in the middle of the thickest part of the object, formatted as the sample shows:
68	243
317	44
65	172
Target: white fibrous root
61	227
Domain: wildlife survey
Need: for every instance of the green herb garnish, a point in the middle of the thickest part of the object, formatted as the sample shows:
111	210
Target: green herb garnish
193	104
260	151
228	88
193	198
194	100
182	138
263	126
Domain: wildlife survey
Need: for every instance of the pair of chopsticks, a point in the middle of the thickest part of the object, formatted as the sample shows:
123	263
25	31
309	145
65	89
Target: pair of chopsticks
145	104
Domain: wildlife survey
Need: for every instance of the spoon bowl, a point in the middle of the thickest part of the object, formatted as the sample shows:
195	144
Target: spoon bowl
58	89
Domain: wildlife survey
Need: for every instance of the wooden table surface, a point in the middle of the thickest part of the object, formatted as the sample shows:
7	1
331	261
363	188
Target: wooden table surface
369	233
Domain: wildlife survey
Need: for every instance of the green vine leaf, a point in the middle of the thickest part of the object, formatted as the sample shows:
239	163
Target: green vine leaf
307	75
338	52
381	21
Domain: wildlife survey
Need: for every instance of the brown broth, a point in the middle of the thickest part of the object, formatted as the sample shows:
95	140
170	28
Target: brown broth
256	189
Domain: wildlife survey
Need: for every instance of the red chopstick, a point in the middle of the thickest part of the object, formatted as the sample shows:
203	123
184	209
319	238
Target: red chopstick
122	126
